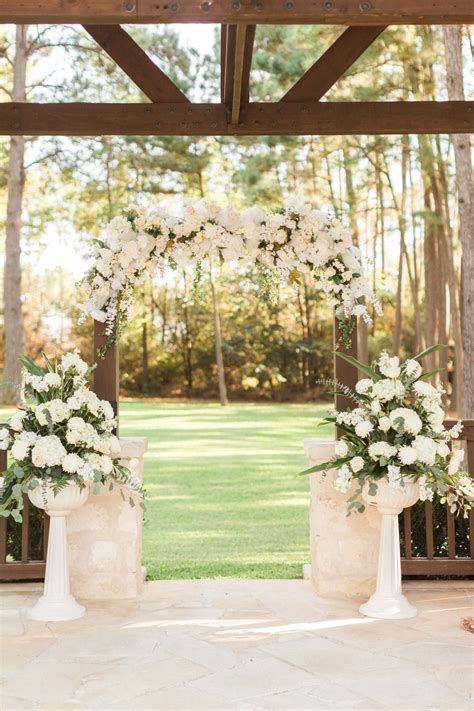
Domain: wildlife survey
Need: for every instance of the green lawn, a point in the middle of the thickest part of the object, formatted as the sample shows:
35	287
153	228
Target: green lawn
224	495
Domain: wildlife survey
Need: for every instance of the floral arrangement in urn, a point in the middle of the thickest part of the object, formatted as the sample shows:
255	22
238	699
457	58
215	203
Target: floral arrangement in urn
296	241
396	435
64	435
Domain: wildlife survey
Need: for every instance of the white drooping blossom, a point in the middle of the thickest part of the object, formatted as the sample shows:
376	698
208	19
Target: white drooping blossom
296	243
65	436
397	433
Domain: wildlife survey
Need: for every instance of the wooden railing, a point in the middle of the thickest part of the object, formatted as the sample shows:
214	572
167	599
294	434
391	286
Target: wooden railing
435	542
23	545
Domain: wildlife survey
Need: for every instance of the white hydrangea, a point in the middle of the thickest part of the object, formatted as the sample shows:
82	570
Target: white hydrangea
404	419
387	389
16	420
426	390
381	449
344	479
426	489
455	461
426	449
52	380
4	438
395	479
20	449
412	368
74	360
390	367
363	386
57	409
48	452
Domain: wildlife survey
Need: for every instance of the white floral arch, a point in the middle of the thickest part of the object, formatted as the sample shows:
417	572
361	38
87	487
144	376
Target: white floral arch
293	242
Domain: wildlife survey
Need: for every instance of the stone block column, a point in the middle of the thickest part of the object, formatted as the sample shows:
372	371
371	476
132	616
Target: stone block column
105	538
344	549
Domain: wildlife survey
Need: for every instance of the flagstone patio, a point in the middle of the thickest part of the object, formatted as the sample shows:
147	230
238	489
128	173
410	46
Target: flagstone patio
238	644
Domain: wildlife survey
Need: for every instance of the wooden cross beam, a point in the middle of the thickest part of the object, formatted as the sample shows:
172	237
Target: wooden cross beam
332	12
326	71
135	63
302	118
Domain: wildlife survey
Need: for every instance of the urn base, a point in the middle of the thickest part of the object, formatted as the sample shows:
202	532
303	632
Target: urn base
388	607
60	610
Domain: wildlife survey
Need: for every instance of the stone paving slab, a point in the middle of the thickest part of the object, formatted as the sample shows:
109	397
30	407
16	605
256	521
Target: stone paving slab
247	645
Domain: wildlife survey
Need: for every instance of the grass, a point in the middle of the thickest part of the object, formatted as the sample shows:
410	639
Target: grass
224	495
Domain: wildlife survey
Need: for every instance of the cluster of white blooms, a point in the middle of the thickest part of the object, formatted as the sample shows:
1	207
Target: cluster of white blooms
67	435
397	432
298	241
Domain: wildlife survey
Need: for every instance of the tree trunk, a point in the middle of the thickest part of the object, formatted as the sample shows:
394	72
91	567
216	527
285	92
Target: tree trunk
453	49
218	339
12	278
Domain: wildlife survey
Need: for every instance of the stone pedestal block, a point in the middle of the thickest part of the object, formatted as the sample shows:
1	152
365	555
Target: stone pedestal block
105	538
343	548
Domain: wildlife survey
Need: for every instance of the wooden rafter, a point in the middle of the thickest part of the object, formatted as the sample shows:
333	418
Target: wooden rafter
326	71
310	118
135	63
236	60
333	12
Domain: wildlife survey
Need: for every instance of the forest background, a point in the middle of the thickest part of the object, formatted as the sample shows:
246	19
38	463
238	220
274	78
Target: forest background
407	200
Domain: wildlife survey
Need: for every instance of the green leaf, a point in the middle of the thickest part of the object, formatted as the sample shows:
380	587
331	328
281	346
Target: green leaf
427	375
31	366
372	488
360	366
332	464
47	362
427	351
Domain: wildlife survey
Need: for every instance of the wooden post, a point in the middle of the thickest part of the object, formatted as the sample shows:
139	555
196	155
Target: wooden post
106	374
344	373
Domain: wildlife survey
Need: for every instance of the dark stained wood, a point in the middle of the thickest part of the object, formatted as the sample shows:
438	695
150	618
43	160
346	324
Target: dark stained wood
223	58
22	571
106	374
429	529
315	118
135	63
228	64
345	374
437	566
25	529
407	532
248	54
349	12
240	41
330	67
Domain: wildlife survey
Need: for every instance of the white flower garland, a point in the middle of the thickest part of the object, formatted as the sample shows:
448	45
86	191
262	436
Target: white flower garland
296	242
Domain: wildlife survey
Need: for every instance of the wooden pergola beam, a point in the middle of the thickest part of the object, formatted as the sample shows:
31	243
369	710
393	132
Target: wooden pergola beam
330	67
236	60
309	118
135	63
333	12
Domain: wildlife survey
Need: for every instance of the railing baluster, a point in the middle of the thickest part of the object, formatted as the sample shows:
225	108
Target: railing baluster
451	535
429	529
25	530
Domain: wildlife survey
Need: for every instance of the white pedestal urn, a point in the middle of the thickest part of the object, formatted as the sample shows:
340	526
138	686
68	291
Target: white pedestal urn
57	604
388	602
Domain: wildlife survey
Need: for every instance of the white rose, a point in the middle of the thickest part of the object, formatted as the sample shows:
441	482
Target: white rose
376	407
384	424
364	428
341	448
356	464
443	449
